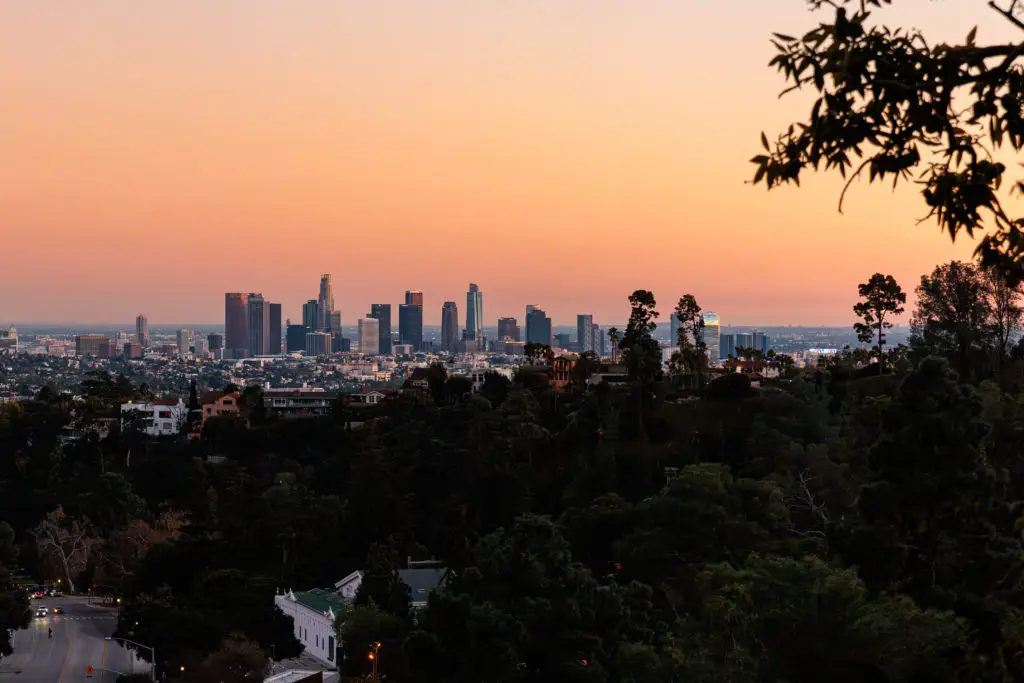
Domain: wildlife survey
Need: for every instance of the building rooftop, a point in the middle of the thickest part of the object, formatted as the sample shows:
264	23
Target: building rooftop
320	600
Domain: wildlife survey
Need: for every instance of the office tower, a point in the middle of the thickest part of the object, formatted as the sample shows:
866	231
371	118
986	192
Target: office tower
142	330
538	326
97	345
449	326
296	338
216	341
585	333
236	325
508	328
132	349
318	343
711	333
184	341
325	303
275	329
410	325
369	336
334	324
474	313
598	336
311	315
382	313
673	330
759	341
563	341
414	297
259	325
728	345
339	343
744	340
200	347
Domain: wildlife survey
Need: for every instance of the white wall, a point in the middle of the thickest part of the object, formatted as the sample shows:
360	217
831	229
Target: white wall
314	630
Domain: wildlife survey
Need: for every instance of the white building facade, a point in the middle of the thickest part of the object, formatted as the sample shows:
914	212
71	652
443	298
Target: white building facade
314	613
160	417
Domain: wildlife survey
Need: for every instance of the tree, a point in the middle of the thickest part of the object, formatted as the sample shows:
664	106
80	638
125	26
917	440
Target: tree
539	354
14	612
381	584
66	543
642	353
238	660
495	388
882	298
953	315
1006	314
691	358
898	106
613	338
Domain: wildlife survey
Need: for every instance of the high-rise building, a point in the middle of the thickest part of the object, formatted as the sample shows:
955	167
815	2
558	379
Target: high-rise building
410	325
474	313
508	329
311	314
275	329
449	326
563	341
142	330
538	326
585	333
759	341
673	330
259	325
236	325
598	336
340	343
744	340
325	303
414	297
369	336
296	338
318	343
97	345
184	341
200	347
334	325
382	313
711	333
216	341
728	345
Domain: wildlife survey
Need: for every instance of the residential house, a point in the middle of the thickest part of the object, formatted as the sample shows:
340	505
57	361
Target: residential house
561	371
218	404
313	613
304	402
159	417
422	578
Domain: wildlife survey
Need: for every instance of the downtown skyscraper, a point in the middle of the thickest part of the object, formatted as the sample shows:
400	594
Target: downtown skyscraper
474	313
236	325
258	325
142	330
325	304
450	326
382	313
538	326
410	320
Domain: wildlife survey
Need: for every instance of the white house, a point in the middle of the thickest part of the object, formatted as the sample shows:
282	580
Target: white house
159	417
314	612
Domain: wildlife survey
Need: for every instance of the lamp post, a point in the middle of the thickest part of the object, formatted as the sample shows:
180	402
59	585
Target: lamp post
373	656
152	653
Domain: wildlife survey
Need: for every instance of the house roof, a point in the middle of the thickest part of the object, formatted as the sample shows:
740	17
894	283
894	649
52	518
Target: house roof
320	600
421	581
214	396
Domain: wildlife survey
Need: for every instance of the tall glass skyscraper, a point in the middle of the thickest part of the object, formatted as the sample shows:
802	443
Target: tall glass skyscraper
142	330
325	302
585	340
259	326
236	325
449	326
382	313
410	325
712	336
538	326
474	313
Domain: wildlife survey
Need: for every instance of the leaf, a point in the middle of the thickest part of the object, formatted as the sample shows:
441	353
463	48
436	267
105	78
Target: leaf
784	37
971	35
764	141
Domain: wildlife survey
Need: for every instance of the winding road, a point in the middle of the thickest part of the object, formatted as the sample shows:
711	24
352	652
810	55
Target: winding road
79	641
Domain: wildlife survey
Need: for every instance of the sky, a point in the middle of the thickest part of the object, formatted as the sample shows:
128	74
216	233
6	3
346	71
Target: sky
556	152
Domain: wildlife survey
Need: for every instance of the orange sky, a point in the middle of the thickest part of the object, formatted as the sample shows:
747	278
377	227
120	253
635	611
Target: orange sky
156	155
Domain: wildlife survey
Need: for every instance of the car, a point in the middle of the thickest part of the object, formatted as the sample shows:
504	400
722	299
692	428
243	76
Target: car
57	610
42	612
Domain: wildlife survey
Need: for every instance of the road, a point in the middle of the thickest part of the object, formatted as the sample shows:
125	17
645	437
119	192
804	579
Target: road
78	642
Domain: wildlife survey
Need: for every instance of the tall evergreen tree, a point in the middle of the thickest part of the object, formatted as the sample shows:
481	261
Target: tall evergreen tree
883	298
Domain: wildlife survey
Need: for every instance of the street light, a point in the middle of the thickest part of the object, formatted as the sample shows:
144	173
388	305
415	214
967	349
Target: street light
373	657
152	653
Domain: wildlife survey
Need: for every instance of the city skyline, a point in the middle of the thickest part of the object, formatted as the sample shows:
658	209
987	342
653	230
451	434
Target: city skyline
566	159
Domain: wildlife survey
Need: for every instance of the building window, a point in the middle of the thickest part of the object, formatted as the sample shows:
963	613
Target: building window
330	648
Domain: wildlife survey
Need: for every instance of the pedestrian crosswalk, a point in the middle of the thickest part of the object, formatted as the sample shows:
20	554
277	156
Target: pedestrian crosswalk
89	618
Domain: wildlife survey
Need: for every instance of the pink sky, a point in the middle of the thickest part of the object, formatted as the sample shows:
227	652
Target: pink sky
156	155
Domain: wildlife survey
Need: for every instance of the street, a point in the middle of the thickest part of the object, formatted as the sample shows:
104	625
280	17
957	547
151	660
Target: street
77	643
